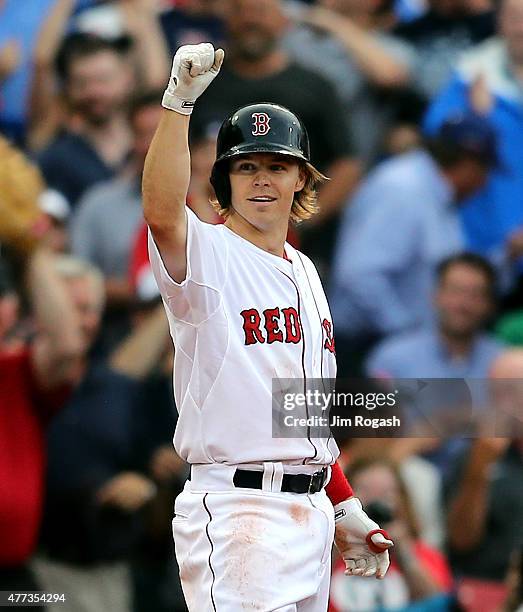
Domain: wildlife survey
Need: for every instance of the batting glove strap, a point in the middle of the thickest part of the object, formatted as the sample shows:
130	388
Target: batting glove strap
179	105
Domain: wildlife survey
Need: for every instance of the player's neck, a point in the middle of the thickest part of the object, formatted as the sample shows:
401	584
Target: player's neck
272	240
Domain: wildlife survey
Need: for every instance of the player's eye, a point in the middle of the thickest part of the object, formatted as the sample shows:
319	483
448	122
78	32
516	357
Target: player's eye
246	167
278	167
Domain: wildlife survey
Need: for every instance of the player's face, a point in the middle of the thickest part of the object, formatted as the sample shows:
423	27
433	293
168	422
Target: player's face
263	187
463	301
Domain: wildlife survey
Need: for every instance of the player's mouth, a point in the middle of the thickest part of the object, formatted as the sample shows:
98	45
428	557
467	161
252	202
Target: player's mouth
262	199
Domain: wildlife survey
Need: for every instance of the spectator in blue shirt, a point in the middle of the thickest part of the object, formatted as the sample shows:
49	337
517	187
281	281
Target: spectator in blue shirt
94	145
456	346
489	79
401	223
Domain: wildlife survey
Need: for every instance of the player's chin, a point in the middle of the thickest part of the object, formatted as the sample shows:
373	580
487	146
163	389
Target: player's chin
267	216
262	206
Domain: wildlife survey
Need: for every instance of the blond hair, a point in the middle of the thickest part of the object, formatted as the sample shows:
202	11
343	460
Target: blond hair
304	205
21	184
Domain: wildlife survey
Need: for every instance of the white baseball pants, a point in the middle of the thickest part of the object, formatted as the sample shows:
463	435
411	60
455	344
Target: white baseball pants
247	549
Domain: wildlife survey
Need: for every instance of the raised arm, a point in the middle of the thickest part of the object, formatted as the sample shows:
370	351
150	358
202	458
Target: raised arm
167	166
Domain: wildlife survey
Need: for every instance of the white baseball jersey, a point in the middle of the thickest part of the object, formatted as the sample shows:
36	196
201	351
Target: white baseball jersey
240	318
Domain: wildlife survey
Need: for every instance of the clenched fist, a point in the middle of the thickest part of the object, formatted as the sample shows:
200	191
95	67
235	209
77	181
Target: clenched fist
194	67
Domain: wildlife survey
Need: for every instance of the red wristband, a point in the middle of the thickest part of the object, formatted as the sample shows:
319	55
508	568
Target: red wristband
338	488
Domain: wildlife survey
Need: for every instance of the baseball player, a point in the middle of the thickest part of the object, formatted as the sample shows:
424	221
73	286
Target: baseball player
254	526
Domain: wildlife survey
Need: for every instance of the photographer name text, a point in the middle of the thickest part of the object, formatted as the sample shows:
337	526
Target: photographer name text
337	421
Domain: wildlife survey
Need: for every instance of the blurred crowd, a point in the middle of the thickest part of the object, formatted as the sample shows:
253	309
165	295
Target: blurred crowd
414	110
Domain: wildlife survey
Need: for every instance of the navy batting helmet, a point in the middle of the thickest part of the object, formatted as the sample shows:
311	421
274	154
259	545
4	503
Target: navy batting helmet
256	128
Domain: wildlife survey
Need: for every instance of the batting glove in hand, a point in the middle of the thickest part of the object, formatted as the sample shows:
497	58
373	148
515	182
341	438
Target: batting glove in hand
360	541
194	67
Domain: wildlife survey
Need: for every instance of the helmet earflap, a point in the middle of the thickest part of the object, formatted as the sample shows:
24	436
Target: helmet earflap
221	183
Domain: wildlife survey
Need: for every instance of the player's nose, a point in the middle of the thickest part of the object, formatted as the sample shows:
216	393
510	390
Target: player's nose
261	178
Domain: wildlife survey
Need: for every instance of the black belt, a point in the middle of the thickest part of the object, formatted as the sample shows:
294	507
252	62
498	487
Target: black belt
291	483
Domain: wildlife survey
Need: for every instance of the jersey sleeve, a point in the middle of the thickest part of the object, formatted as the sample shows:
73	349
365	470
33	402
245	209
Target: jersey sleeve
198	296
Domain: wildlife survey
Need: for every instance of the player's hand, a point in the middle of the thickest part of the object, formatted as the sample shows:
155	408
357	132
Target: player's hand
128	491
360	541
194	67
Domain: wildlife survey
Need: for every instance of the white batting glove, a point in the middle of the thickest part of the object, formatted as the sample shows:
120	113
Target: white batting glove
360	541
194	67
